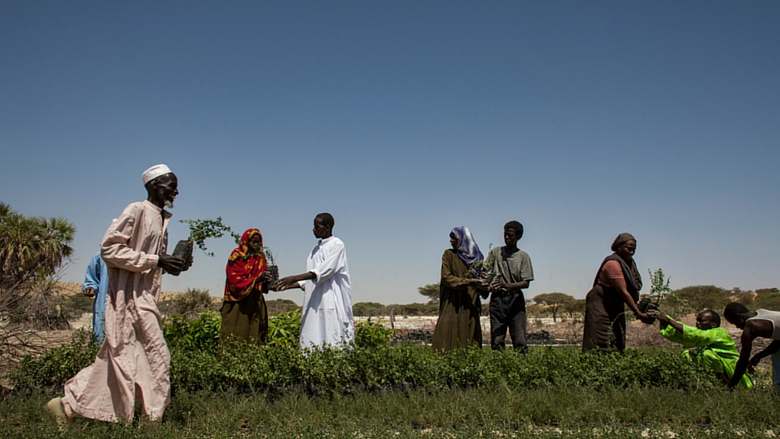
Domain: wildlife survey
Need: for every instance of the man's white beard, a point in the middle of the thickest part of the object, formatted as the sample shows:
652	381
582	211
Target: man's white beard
168	204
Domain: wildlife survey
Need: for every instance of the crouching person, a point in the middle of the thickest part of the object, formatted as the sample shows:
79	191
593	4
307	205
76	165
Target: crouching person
707	344
761	323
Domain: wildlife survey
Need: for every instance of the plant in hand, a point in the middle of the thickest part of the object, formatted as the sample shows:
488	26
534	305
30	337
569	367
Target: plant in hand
659	288
203	229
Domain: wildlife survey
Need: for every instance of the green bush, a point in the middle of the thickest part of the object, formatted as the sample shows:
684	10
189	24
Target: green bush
201	334
372	335
277	369
285	329
199	362
274	369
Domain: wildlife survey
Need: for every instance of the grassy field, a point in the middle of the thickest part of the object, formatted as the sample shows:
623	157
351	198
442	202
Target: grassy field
572	412
385	390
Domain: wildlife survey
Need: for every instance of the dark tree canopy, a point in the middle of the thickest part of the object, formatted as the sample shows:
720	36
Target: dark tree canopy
431	291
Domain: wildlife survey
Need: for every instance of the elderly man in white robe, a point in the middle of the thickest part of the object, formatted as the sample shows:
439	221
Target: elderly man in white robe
327	304
134	360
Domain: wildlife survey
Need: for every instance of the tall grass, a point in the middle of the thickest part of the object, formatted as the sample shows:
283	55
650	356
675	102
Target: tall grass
561	412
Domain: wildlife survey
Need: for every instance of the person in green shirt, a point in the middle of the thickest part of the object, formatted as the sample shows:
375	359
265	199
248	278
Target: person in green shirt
707	344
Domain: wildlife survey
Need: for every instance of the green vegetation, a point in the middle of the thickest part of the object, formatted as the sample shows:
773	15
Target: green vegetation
201	362
31	247
497	413
203	229
382	390
285	329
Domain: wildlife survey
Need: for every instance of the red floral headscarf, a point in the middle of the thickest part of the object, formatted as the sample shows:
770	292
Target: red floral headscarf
243	269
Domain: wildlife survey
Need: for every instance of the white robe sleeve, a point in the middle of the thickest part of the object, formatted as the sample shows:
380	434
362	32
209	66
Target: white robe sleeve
115	251
332	264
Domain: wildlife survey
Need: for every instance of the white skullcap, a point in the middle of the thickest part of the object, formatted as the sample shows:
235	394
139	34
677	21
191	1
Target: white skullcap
156	171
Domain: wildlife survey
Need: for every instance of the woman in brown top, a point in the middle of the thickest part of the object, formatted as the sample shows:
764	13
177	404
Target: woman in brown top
459	305
617	283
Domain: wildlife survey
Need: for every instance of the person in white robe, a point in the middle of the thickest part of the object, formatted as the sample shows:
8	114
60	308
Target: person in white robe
133	364
327	305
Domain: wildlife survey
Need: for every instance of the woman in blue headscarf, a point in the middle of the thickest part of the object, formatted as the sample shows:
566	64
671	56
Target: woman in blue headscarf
459	305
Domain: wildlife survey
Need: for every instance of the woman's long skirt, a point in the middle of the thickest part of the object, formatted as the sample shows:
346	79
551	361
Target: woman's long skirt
246	319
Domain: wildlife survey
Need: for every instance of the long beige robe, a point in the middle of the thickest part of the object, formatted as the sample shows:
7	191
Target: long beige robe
134	360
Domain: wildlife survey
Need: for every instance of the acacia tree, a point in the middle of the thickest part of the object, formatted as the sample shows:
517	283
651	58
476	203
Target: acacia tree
431	291
554	302
576	306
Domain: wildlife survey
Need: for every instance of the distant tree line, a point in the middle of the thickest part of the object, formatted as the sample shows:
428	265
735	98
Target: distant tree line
678	302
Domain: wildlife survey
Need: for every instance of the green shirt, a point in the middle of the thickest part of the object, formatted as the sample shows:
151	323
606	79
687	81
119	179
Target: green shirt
711	347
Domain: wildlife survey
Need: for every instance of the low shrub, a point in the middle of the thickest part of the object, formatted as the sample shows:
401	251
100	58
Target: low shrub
200	334
199	362
188	304
285	329
274	369
57	365
369	334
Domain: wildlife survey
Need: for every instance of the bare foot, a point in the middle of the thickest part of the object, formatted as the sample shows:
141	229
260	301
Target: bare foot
57	411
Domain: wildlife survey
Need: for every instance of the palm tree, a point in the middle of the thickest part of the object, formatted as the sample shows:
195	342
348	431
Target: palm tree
31	247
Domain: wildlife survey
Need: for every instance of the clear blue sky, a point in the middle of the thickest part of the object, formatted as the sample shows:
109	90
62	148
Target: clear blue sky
404	119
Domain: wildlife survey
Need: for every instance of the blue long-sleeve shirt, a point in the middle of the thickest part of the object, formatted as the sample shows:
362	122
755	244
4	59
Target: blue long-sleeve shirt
97	279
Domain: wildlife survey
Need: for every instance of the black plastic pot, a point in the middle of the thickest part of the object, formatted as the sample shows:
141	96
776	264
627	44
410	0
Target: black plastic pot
183	249
274	270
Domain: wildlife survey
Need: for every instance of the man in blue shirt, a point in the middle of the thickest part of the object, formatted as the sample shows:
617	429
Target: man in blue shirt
96	286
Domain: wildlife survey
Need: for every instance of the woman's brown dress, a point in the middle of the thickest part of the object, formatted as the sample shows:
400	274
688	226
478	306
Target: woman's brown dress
459	307
605	319
246	319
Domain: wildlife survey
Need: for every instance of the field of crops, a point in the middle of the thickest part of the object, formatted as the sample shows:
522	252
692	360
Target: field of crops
383	388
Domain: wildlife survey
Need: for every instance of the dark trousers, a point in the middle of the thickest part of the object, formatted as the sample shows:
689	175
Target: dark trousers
508	312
